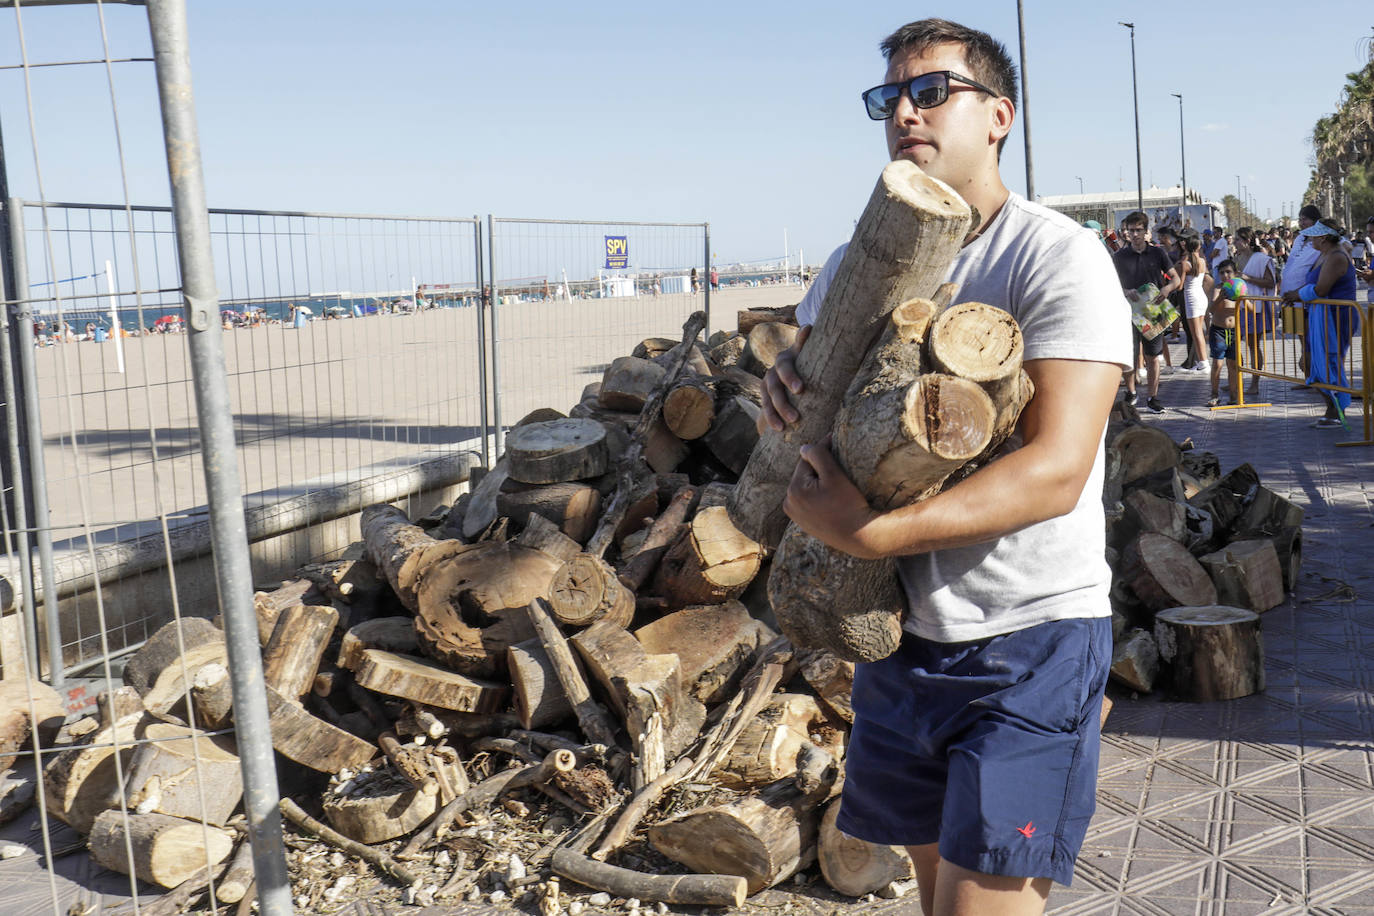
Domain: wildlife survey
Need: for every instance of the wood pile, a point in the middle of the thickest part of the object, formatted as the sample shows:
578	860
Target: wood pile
573	668
1196	557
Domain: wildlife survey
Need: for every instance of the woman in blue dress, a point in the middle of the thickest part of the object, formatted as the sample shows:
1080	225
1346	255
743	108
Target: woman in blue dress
1330	328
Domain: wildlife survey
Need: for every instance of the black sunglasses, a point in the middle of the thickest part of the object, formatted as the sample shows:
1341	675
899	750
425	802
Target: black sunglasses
928	90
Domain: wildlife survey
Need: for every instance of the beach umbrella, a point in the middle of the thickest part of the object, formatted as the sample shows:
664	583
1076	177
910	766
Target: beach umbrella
167	319
304	310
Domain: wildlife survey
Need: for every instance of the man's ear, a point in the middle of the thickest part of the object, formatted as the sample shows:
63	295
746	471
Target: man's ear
1003	116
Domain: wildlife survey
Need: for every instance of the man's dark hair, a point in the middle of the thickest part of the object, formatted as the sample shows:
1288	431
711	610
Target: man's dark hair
1135	218
1225	264
1310	212
987	58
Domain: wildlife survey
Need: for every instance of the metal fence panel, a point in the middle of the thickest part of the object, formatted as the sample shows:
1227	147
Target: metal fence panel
570	296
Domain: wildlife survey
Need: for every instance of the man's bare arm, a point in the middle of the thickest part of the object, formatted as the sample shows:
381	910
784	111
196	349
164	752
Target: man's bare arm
1043	479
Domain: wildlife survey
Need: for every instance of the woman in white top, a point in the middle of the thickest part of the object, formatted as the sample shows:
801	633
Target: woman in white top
1193	270
1261	280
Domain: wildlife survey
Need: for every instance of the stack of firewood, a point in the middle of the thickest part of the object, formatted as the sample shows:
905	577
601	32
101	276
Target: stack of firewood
1197	556
587	614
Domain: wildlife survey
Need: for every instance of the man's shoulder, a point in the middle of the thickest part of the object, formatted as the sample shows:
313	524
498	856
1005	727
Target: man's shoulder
1041	224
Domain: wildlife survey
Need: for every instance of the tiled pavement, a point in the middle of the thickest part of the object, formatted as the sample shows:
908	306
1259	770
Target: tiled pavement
1263	805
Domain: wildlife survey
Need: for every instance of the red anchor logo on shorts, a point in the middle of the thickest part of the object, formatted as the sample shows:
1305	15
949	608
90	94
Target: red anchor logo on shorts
1027	831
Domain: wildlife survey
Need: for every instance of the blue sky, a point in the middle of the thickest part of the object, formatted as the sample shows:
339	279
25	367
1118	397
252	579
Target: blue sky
743	114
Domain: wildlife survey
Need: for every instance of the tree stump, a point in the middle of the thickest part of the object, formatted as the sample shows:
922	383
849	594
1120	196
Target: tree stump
585	590
1212	653
628	382
902	247
689	408
1145	450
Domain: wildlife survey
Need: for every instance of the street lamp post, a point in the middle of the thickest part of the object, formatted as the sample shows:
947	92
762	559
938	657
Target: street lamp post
1182	155
1135	97
1080	183
1025	103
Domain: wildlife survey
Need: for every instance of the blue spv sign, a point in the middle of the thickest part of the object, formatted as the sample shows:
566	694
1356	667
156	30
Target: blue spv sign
617	252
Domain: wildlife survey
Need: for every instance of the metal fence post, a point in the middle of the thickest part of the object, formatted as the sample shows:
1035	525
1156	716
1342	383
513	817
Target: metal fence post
261	798
481	339
495	338
706	228
38	472
18	471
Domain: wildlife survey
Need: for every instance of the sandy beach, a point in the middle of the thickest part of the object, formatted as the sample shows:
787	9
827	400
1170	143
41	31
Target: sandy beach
324	402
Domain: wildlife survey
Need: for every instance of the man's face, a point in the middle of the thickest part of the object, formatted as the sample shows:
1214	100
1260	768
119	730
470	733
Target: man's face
955	141
1226	273
1138	235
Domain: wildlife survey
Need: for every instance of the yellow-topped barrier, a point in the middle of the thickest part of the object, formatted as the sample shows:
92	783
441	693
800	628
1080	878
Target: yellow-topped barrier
1277	340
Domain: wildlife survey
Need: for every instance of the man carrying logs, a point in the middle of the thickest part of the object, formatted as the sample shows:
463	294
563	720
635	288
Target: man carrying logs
975	743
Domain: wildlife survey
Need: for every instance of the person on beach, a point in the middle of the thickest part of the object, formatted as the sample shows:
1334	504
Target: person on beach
975	744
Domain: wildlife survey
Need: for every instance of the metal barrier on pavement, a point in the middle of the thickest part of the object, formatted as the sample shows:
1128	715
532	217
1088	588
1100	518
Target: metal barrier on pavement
1276	339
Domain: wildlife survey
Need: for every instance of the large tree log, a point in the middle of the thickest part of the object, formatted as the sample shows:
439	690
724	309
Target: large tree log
1163	574
1148	513
573	507
1145	450
646	691
471	606
81	782
293	653
768	748
713	644
394	545
585	589
313	742
177	772
763	344
854	867
710	563
899	435
165	646
764	838
1212	653
166	850
556	451
902	247
1246	574
415	679
628	382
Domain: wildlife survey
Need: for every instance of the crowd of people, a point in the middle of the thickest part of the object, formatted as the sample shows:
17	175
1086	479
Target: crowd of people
1216	290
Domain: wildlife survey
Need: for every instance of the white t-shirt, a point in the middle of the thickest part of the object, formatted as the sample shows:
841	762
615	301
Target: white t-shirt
1300	261
1058	282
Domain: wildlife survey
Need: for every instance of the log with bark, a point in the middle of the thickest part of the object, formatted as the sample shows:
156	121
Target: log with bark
734	432
556	451
415	679
689	408
539	697
899	435
713	644
1246	574
1163	574
1212	653
293	652
902	247
19	722
81	782
769	746
185	775
146	665
711	562
573	507
666	529
1135	661
311	741
585	589
748	319
166	850
855	867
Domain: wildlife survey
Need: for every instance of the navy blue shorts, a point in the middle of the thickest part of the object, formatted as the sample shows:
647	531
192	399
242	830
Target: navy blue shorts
989	748
1221	342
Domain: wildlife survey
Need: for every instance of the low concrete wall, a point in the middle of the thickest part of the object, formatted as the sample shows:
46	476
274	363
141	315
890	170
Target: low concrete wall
136	588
